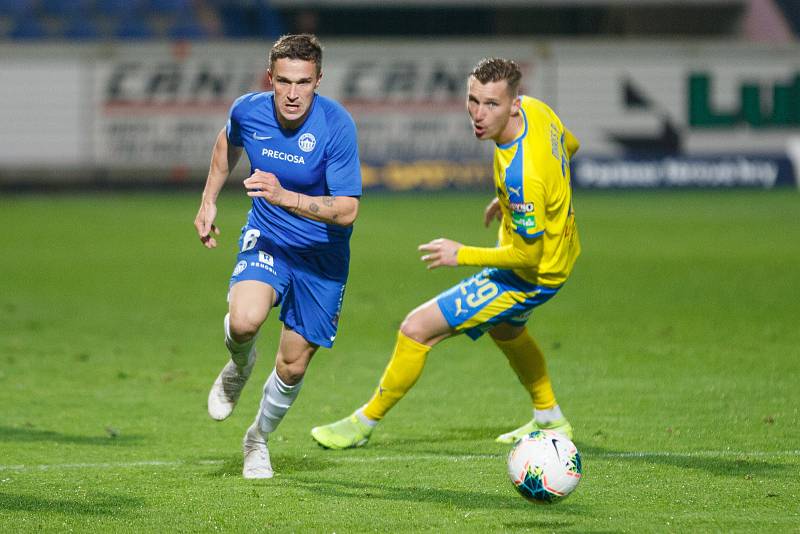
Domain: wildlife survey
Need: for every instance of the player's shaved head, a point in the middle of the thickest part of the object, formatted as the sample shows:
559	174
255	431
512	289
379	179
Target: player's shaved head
304	46
495	69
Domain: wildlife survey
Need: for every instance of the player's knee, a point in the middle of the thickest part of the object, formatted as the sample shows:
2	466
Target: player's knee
413	327
244	324
506	332
291	373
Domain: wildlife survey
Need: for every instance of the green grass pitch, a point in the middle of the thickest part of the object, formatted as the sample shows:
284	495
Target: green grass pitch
673	349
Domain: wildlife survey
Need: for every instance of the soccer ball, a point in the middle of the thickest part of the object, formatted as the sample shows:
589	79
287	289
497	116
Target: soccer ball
544	466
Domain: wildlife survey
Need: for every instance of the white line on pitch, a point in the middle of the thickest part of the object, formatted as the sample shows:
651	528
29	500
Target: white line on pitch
631	454
108	465
400	458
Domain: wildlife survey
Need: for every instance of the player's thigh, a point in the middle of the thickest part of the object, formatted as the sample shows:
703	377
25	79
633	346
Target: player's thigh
249	304
312	304
294	355
490	298
259	281
426	324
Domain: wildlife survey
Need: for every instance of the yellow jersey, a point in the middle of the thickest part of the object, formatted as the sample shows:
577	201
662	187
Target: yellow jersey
538	237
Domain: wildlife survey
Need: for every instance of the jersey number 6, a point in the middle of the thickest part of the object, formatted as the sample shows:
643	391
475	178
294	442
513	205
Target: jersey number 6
250	239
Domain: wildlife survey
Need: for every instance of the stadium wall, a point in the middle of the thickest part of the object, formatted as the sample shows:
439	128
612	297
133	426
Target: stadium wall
649	114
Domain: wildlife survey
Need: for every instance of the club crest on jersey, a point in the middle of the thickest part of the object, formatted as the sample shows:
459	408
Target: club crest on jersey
307	142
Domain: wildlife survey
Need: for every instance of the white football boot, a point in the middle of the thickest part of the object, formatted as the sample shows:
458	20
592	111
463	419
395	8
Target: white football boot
228	386
256	454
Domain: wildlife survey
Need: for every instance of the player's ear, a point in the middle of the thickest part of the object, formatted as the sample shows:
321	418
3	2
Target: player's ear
516	104
269	77
319	79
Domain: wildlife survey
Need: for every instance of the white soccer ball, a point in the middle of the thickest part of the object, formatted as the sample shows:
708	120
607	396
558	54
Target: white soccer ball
544	466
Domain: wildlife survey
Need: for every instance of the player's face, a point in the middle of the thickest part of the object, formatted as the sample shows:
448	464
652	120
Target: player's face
490	108
294	82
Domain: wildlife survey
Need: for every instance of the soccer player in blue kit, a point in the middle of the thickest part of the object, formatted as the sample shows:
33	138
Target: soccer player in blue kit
305	182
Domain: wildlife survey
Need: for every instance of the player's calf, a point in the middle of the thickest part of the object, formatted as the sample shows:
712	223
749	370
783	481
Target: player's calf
228	386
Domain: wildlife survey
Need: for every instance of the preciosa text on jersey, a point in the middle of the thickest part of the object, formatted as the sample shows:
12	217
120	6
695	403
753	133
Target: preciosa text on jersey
285	156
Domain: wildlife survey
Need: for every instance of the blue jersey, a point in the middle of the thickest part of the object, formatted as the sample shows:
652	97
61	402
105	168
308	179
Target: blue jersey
320	158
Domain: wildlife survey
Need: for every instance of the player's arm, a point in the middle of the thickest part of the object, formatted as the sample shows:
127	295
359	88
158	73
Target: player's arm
340	210
492	212
526	247
571	143
223	159
522	253
525	229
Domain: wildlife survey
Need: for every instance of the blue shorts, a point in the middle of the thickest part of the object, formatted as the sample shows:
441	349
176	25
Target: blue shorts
309	285
491	297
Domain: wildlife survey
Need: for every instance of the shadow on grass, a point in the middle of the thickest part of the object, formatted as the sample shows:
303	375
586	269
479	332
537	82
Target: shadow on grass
33	434
98	504
445	434
735	466
436	444
232	466
467	500
288	464
540	524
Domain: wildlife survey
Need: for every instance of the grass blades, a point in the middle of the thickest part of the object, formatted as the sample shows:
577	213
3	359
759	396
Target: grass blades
673	350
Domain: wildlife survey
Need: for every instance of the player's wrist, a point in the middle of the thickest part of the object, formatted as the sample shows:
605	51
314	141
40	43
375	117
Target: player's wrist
284	199
290	201
459	254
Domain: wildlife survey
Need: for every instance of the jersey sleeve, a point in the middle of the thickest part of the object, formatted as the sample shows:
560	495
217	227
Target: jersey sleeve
233	128
519	254
342	167
571	143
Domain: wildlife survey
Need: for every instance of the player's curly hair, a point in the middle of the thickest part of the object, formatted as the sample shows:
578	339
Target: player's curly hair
303	46
495	69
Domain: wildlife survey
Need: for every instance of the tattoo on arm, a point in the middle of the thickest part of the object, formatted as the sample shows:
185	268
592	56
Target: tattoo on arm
328	201
313	208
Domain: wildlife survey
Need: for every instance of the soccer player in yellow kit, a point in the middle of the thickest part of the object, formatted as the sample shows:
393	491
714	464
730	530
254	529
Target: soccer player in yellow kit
538	245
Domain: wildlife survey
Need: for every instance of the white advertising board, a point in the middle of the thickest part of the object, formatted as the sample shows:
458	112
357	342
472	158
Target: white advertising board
159	106
689	99
42	120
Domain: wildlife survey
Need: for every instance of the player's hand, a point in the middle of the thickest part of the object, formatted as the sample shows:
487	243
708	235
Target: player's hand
440	253
204	224
492	211
265	185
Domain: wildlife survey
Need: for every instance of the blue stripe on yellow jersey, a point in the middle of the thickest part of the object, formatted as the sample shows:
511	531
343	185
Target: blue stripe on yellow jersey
538	160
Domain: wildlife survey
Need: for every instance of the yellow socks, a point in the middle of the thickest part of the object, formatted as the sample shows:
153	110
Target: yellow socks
408	360
403	370
527	360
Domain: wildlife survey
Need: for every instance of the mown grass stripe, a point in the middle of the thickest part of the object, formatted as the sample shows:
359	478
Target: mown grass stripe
401	458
